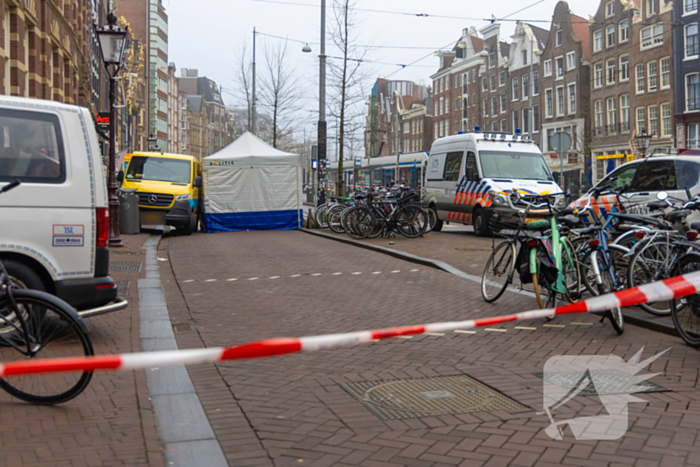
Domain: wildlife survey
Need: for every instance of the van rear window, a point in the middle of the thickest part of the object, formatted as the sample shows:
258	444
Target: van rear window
31	147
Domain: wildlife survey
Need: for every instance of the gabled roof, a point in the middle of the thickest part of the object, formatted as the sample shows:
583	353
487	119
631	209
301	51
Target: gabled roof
478	44
195	102
580	28
505	49
542	35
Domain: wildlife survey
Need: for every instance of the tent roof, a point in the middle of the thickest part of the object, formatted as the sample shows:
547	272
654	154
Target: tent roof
248	145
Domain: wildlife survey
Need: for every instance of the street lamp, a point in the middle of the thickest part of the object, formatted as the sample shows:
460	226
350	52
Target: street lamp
112	40
643	140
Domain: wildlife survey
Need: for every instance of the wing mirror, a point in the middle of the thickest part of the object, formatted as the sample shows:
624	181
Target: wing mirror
198	181
662	196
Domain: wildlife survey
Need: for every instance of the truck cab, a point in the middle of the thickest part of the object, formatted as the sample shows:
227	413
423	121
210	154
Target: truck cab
468	176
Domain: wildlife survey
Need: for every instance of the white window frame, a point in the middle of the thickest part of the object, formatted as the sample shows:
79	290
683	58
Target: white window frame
655	76
556	71
656	31
685	42
492	60
597	47
548	98
501	79
484	84
492	83
535	124
484	109
608	82
561	106
599	115
558	37
637	120
667	73
639	80
624	37
649	120
621	78
650	7
525	88
611	112
514	87
523	53
610	32
536	79
597	84
504	100
622	109
571	104
447	105
609	9
687	93
666	118
689	12
570	61
547	68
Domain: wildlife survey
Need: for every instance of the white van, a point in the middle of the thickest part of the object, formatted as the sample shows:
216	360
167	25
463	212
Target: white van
54	229
469	175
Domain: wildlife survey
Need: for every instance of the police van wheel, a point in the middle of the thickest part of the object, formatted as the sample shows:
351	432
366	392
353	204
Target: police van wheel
481	227
191	226
23	276
435	222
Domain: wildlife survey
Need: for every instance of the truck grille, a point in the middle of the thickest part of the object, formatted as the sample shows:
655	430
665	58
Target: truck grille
155	199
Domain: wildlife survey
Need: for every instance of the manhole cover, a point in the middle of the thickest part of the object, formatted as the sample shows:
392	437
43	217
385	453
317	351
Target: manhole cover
428	397
608	382
130	266
123	288
183	327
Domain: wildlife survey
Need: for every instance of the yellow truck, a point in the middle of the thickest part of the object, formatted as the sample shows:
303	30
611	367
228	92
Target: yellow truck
168	187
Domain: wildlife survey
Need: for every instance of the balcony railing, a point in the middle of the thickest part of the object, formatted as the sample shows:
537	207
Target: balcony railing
693	104
624	127
611	129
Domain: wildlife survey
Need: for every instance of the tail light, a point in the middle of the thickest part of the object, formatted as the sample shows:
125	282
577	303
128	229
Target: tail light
692	235
639	234
532	243
102	215
594	243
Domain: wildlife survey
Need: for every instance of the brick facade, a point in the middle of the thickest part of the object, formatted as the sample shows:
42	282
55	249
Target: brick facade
686	59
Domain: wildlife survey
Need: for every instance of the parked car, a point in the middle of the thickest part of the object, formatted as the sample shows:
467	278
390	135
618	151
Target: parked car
54	230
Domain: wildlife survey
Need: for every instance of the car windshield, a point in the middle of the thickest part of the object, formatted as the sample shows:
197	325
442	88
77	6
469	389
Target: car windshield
527	166
159	168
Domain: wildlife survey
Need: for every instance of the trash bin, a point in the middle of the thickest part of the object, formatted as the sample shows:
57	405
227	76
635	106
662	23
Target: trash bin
129	222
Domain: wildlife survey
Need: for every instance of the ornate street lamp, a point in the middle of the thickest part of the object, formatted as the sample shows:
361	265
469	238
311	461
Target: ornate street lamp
643	140
112	40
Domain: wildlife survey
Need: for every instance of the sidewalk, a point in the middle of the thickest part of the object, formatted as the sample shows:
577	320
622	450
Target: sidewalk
111	423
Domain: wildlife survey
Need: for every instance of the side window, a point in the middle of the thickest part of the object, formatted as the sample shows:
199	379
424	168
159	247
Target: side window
655	176
624	175
31	148
436	168
687	174
453	164
471	164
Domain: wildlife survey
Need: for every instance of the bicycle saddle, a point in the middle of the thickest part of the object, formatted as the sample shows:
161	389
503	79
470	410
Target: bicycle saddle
591	229
636	218
656	205
695	226
675	215
538	225
569	220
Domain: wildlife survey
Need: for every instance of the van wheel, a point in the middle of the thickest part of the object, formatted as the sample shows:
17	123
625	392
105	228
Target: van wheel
481	227
191	226
23	276
435	222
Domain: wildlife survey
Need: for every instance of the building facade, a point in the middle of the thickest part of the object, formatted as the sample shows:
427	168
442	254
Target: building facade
686	59
565	97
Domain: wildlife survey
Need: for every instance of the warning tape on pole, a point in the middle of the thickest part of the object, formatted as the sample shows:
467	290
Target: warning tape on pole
667	289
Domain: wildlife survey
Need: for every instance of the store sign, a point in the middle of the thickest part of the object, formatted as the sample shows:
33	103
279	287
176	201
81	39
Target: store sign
611	156
103	121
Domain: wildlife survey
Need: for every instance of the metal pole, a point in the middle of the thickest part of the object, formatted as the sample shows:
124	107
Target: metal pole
253	126
220	113
562	180
530	123
396	138
115	240
322	103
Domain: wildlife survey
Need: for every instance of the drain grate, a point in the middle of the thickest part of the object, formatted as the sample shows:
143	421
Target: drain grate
429	397
608	382
183	327
123	288
130	266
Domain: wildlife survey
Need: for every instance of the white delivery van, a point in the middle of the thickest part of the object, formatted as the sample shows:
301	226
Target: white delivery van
468	176
54	229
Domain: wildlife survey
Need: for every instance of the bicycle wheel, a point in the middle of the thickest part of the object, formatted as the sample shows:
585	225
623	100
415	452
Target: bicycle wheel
615	315
359	222
498	272
334	217
686	311
572	276
651	263
411	221
54	332
321	216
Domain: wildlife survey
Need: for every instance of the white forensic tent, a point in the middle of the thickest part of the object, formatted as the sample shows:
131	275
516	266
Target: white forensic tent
249	185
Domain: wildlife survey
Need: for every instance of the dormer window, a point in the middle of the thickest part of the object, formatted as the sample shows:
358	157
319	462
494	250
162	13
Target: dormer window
609	9
558	36
492	60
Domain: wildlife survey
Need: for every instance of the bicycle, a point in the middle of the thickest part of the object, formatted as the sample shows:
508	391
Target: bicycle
33	324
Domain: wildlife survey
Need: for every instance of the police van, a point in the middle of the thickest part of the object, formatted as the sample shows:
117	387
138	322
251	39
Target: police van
468	176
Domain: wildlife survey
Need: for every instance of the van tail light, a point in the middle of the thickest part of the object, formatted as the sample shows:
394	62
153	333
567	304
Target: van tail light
102	227
532	243
639	235
594	243
692	235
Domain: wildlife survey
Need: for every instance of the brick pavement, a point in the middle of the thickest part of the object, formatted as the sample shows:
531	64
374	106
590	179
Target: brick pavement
291	410
110	423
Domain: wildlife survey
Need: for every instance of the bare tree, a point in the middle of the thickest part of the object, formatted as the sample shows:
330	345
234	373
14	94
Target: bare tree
280	90
347	77
243	79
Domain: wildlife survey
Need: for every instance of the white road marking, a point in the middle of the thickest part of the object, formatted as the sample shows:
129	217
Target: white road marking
275	277
461	331
377	272
526	328
404	337
356	273
433	334
414	270
495	330
336	274
210	280
582	324
188	280
231	279
295	275
394	272
317	274
553	326
253	278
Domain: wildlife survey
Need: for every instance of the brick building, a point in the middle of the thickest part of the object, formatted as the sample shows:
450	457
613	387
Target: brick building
416	127
686	59
197	134
493	73
470	58
565	95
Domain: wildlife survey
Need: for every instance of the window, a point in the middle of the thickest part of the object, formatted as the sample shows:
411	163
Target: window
598	75
502	78
666	120
447	127
526	120
6	27
624	68
484	109
610	36
559	65
442	106
640	79
624	31
436	109
447	105
473	100
535	118
612	115
493	82
436	131
526	86
536	83
456	107
692	92
651	7
651	69
572	98
514	86
665	73
524	55
597	41
609	9
624	113
456	81
494	105
623	176
693	136
484	84
691	41
447	82
655	176
547	68
610	74
468	78
453	164
516	125
503	103
31	148
641	119
690	6
492	60
599	117
558	36
560	101
570	61
549	105
494	126
442	128
652	36
503	125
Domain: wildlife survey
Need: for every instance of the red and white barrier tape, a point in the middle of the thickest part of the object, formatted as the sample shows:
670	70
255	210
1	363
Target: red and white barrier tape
667	289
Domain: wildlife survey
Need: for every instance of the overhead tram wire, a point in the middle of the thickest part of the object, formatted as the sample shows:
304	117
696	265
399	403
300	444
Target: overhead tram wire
359	46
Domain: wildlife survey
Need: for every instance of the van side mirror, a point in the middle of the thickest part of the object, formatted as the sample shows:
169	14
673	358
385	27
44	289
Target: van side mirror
472	174
120	176
198	181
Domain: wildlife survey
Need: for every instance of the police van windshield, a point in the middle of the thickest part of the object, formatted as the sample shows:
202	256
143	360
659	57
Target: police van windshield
159	168
519	165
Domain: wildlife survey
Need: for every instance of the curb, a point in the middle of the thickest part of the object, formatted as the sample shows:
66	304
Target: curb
635	317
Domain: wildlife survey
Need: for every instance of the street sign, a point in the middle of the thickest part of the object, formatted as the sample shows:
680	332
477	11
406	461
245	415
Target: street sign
560	142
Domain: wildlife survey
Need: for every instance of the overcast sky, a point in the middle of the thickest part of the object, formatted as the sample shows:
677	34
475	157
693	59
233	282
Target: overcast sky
205	34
